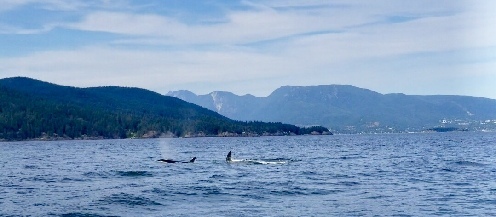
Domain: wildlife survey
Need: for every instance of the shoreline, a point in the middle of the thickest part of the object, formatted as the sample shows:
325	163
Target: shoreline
222	135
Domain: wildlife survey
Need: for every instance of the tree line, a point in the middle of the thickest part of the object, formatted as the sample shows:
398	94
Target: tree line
29	116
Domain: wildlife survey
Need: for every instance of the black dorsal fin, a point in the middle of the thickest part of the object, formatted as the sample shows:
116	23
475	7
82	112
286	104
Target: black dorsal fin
228	158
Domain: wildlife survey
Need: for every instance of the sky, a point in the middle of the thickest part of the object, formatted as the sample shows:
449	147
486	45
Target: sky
420	47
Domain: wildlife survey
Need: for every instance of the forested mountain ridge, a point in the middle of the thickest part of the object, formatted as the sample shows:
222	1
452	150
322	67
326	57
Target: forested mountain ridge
349	109
33	109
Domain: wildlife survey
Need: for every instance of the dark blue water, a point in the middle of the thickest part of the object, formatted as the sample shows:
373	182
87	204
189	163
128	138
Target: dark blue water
450	174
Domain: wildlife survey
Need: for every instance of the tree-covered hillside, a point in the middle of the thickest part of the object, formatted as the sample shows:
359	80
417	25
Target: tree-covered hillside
31	109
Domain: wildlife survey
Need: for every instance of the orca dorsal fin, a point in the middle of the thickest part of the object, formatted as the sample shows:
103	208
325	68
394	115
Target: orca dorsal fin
228	158
192	160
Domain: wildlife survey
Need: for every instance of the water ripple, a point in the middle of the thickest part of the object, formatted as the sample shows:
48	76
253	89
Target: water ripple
343	175
128	200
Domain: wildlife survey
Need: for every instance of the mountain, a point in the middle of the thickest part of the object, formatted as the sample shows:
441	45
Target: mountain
349	109
33	109
225	103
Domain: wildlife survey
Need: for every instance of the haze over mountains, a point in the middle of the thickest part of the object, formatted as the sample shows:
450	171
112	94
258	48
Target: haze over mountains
349	109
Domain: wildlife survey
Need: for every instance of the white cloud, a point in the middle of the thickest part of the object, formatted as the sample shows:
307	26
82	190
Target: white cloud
278	43
240	27
51	6
10	4
46	4
9	29
363	26
129	24
106	66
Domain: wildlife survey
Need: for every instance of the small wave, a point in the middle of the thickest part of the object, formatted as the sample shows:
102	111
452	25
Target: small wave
30	167
41	204
350	183
217	176
303	191
447	170
96	174
208	190
134	173
462	184
288	192
65	179
309	173
78	214
468	163
351	157
253	196
41	178
128	200
376	197
162	192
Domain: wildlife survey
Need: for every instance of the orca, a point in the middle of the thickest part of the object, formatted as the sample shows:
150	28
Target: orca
175	161
229	159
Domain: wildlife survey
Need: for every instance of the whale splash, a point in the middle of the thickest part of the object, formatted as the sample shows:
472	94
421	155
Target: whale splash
229	159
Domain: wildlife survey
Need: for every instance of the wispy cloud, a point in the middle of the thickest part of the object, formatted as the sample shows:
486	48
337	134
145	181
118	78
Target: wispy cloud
240	27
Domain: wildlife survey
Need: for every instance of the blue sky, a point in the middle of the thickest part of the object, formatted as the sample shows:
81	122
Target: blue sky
253	46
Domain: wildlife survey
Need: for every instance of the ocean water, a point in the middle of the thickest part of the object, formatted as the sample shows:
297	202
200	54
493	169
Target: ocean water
438	174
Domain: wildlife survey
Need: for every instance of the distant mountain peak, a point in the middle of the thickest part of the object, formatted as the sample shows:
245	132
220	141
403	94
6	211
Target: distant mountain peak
179	93
333	89
350	109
